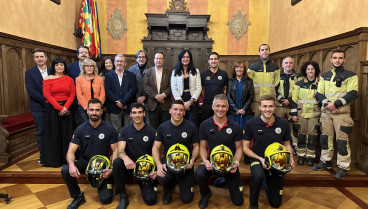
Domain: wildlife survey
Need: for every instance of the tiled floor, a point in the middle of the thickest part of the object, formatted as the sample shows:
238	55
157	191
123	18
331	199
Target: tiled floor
57	196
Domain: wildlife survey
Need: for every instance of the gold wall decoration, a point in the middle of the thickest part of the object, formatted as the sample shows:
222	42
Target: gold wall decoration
238	25
117	25
178	6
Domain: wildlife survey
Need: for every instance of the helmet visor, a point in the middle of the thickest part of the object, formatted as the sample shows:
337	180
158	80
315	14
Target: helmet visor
143	170
177	161
222	162
281	161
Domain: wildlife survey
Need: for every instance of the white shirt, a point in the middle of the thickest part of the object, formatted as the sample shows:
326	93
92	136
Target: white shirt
120	78
43	73
158	79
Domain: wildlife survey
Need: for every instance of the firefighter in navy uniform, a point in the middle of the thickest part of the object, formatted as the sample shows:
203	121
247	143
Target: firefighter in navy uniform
259	133
180	140
288	78
305	112
93	137
337	88
134	146
265	76
223	137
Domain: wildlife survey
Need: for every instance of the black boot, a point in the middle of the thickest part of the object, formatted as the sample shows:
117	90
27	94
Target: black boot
78	201
123	202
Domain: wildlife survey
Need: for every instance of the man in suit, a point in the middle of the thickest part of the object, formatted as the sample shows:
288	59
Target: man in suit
158	89
120	88
33	80
74	68
140	70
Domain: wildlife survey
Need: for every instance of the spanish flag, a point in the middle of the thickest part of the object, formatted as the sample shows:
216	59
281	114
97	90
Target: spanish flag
88	23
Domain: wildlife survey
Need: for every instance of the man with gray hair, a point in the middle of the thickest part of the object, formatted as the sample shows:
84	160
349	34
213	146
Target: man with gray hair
139	71
120	88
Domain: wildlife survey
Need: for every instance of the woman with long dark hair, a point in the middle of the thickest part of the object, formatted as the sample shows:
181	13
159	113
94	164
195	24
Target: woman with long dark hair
59	91
186	84
305	112
107	65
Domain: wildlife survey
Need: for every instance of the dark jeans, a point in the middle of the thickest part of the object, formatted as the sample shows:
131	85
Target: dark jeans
233	182
105	192
38	119
147	187
273	185
82	114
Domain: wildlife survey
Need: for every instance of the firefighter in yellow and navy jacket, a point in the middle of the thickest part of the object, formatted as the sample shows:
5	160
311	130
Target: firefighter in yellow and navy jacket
265	76
288	78
336	90
305	112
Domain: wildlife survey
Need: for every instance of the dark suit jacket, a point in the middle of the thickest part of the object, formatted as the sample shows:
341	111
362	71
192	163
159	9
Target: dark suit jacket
33	80
124	93
150	88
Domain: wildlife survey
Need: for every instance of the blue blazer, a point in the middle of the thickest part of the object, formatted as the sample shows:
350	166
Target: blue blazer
33	80
124	93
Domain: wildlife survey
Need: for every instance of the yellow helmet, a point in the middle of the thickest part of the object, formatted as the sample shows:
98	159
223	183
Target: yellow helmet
177	158
278	157
94	169
144	166
222	159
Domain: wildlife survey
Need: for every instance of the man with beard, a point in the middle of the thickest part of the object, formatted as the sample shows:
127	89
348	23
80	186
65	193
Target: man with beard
120	88
336	89
93	137
135	141
265	75
177	130
214	81
259	132
139	71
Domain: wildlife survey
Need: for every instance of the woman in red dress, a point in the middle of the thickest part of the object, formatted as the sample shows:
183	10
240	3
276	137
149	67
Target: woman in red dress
59	91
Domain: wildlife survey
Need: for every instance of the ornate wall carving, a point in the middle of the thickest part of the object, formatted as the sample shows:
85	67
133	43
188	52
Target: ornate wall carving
117	25
238	25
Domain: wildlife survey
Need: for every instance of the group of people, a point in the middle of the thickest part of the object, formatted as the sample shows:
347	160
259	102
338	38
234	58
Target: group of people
283	107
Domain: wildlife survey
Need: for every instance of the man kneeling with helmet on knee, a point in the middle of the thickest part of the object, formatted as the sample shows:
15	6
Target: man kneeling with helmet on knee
267	142
134	158
93	138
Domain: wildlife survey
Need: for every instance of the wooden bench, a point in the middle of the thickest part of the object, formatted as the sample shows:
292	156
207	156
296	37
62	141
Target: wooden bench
17	136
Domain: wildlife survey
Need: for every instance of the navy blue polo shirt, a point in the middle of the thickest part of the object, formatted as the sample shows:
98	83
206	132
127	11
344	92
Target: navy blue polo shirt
94	141
261	134
213	84
215	135
186	134
138	143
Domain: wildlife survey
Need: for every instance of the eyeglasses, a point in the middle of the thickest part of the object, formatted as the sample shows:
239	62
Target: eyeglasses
89	66
141	57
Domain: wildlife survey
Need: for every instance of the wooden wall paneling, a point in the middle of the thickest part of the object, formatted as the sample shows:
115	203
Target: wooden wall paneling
2	101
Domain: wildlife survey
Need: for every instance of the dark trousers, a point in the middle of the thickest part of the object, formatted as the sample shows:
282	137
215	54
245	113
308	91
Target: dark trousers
82	114
185	181
158	116
148	191
206	111
105	192
192	114
233	182
38	119
273	185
